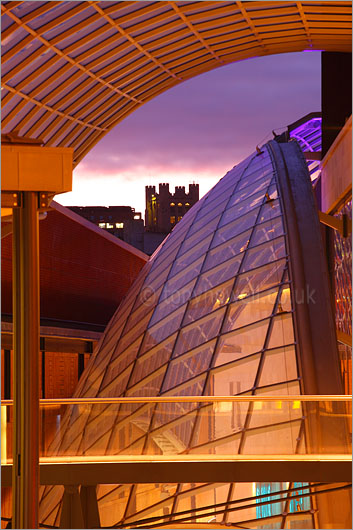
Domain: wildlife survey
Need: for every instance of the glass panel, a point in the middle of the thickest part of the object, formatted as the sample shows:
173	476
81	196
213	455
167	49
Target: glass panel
216	205
225	271
266	231
226	251
281	331
280	389
163	329
269	210
169	305
159	501
242	208
264	253
208	302
151	361
168	412
130	429
193	387
211	220
250	310
135	448
119	363
239	225
174	438
235	378
149	386
207	444
139	328
278	365
52	496
202	233
220	420
182	278
115	499
200	331
188	366
254	174
159	274
116	387
283	439
149	299
244	193
241	343
258	279
192	255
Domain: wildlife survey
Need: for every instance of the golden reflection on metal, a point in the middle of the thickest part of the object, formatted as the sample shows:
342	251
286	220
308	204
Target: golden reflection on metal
187	399
3	433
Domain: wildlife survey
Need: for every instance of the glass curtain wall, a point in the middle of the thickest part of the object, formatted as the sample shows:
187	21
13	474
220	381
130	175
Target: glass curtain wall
210	314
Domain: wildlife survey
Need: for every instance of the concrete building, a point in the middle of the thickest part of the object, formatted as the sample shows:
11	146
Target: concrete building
121	221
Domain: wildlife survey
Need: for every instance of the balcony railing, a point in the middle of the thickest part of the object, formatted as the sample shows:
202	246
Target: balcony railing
218	427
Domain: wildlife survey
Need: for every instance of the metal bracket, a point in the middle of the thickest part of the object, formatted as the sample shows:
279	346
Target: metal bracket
11	199
14	199
342	225
44	200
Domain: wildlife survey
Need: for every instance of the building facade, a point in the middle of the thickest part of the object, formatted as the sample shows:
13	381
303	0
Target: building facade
120	221
165	209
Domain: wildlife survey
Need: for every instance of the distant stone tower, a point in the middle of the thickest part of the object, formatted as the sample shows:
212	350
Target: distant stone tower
165	209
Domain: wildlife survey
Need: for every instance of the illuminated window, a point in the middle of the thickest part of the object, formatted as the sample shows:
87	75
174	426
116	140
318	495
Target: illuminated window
172	204
101	225
267	510
137	216
179	204
172	219
267	488
180	217
119	225
187	204
109	225
302	503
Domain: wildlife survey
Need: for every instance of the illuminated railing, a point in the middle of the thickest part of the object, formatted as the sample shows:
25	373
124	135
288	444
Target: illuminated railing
219	425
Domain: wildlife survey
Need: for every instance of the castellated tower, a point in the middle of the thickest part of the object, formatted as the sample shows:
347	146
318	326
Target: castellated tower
164	209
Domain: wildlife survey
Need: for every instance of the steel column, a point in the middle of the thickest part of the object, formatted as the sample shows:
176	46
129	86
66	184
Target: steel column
25	478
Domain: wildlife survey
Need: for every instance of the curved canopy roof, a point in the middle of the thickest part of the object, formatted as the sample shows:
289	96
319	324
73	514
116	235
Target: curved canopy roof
72	70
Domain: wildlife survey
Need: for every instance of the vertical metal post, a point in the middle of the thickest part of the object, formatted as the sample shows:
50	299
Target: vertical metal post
25	479
7	374
81	365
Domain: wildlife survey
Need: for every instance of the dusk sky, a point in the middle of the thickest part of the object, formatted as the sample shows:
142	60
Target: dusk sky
198	130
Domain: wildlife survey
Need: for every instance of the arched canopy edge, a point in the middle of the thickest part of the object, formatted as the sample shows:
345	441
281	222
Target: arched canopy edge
72	71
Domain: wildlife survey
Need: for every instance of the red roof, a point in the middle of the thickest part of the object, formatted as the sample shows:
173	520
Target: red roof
85	272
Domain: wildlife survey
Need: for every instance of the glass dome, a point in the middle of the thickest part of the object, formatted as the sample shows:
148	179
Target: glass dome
212	313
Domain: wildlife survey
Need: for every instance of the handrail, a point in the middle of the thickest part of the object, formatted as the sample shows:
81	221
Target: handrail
185	399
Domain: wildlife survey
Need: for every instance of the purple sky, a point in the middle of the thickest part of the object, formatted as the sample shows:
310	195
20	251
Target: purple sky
198	130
